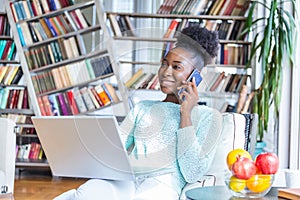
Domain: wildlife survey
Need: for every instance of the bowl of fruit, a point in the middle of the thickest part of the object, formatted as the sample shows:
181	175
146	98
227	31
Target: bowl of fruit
248	178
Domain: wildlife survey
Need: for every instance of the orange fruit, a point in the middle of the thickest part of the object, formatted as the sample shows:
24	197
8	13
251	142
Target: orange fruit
234	154
259	183
236	184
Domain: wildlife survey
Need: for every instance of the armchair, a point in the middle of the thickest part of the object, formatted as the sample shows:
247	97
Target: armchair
239	131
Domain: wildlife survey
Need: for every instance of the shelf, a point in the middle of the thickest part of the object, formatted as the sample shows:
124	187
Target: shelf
173	16
158	63
103	107
5	37
25	125
12	86
147	39
67	35
27	135
218	95
62	10
9	62
77	85
17	111
139	62
73	60
31	163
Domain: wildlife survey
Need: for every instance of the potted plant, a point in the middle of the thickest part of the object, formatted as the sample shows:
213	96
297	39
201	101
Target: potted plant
272	48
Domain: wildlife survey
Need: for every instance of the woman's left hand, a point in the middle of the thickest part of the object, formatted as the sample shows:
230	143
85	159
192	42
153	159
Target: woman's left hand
189	97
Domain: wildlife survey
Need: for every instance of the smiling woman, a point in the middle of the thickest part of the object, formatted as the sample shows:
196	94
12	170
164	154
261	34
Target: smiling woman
181	136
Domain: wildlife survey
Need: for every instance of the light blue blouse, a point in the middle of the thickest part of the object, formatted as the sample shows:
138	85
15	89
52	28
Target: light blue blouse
152	128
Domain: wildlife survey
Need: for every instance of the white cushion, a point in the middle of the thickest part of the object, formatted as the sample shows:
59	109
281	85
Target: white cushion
233	137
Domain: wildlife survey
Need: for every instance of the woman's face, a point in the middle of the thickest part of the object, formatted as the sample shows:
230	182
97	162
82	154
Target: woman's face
175	68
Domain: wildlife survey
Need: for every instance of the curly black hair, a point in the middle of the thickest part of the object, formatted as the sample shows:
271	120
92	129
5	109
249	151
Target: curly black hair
201	41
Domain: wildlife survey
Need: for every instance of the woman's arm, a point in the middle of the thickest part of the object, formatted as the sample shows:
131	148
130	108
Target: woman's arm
196	145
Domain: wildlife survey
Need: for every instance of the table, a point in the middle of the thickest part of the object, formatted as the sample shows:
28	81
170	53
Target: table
222	193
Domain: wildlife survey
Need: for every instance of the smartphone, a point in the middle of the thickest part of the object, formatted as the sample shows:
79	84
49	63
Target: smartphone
198	78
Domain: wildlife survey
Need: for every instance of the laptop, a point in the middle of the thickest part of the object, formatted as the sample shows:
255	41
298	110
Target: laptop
87	147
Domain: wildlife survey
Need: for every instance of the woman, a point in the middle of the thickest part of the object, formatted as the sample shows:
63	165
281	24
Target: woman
174	134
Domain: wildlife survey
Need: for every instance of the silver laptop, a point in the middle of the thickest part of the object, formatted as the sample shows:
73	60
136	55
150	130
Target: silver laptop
86	147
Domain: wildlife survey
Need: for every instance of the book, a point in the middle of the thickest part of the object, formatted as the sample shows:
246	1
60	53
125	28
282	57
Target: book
81	18
47	106
199	7
217	81
86	98
63	104
131	28
169	34
114	24
3	70
93	98
79	100
242	99
247	103
96	96
240	8
134	78
111	90
54	105
102	95
289	193
41	106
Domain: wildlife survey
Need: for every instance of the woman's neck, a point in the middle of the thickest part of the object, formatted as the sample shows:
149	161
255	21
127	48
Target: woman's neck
171	98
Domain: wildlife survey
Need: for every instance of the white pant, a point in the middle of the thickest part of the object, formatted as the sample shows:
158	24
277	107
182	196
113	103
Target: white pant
98	189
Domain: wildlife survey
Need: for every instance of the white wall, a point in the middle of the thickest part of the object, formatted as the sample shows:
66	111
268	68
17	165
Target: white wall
2	6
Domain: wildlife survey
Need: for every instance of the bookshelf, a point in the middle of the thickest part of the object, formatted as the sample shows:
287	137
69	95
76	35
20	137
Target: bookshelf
233	55
64	56
14	100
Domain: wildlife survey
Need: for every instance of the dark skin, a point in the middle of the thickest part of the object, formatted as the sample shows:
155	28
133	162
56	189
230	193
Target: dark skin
175	69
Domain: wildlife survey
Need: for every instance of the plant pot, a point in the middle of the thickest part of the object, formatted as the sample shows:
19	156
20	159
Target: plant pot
259	148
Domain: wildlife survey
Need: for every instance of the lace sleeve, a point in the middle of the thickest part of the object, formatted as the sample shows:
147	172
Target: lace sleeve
197	145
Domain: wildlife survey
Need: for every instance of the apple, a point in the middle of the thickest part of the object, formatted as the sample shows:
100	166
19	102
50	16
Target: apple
267	163
244	168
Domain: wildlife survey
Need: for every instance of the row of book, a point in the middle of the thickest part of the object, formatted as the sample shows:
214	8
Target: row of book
30	151
221	82
12	98
10	75
7	50
4	25
233	54
72	74
54	52
205	7
26	9
143	80
45	28
121	25
78	100
20	120
227	29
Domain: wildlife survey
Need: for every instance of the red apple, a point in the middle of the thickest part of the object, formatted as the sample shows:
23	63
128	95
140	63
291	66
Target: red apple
267	163
243	168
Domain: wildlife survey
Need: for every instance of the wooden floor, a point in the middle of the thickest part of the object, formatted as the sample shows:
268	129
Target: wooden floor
40	185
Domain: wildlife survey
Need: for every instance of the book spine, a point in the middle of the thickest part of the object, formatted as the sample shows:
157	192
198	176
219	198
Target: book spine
102	95
62	104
